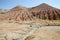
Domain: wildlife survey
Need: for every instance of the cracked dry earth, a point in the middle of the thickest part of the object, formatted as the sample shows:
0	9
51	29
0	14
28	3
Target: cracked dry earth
14	31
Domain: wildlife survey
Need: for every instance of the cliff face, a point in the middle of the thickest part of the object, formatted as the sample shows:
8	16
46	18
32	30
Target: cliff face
44	11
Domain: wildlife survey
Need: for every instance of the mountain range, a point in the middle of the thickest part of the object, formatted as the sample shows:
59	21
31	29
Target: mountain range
42	11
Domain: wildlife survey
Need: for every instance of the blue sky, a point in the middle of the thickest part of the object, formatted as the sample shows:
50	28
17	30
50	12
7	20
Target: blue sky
8	4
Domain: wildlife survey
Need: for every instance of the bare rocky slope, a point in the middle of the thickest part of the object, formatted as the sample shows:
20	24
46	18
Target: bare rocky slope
45	11
17	13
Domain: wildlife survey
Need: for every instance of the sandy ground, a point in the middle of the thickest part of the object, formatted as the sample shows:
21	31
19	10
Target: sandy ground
15	31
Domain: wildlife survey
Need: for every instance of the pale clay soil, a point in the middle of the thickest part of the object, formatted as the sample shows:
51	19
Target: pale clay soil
15	31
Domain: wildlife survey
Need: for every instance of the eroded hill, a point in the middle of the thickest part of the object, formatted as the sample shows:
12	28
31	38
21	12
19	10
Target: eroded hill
45	11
